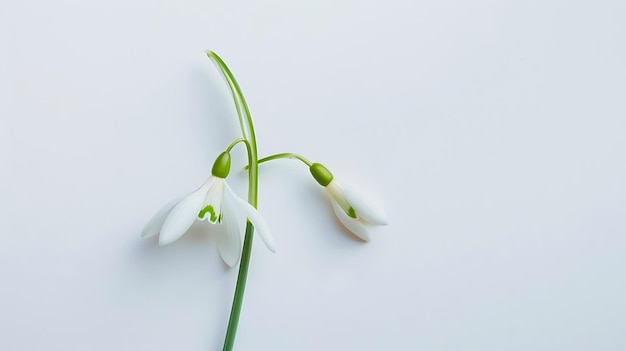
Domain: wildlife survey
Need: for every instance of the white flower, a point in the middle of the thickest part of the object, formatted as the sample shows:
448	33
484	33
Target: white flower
215	202
354	211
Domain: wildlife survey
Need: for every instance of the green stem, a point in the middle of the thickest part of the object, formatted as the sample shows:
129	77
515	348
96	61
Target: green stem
237	141
283	155
253	181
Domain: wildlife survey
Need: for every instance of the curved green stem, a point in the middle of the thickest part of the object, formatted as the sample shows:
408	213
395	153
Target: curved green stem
237	141
286	155
253	181
283	155
242	112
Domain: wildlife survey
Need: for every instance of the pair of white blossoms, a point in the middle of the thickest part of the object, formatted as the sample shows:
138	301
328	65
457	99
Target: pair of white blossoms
216	203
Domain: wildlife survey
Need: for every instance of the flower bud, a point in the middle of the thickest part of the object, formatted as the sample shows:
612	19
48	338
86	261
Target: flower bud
221	167
321	174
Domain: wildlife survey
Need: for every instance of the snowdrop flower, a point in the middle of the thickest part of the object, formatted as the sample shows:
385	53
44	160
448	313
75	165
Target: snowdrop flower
216	203
353	211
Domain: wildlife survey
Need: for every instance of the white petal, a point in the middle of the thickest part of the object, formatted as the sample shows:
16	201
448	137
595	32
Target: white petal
354	225
257	221
182	216
370	211
213	198
335	189
156	222
229	240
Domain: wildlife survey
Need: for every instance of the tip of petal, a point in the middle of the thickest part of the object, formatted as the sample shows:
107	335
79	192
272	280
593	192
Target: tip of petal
362	233
272	248
229	261
383	219
164	240
149	231
365	238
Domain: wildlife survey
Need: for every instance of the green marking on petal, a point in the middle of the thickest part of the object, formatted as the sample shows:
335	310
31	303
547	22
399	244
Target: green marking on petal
211	211
351	212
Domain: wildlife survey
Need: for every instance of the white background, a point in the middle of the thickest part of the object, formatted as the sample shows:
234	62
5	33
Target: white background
492	131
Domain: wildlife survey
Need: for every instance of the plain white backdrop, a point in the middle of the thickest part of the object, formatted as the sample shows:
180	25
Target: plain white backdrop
492	131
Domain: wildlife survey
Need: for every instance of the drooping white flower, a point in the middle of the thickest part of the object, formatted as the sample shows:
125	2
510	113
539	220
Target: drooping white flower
355	212
215	202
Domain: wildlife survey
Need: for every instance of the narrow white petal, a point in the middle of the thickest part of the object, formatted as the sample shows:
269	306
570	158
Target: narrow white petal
256	219
182	216
156	222
354	225
229	239
369	210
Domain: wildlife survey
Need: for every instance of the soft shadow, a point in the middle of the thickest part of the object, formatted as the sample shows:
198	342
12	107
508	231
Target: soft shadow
197	244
